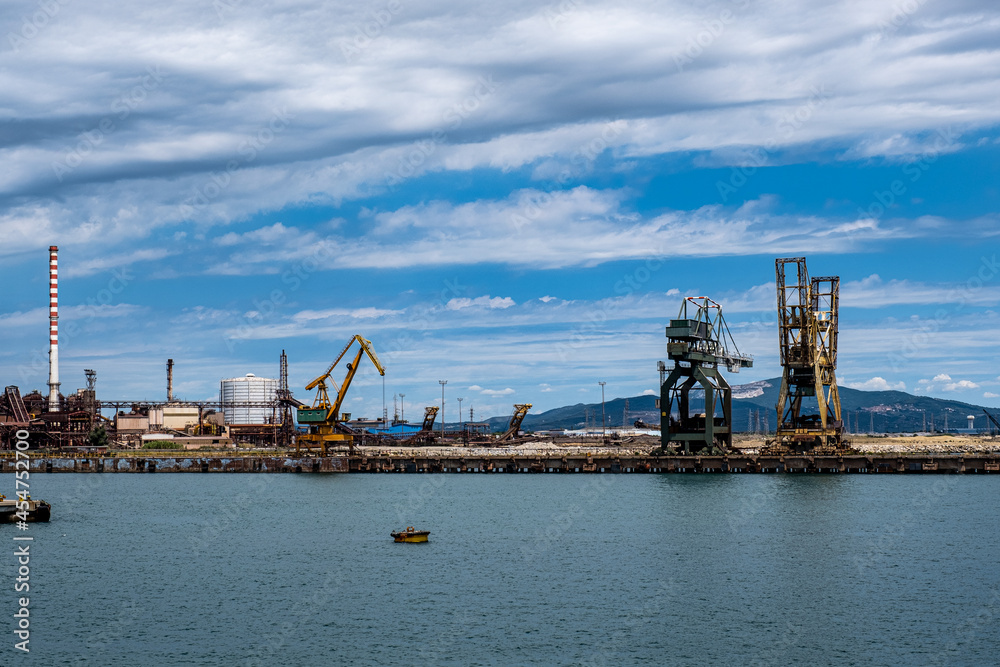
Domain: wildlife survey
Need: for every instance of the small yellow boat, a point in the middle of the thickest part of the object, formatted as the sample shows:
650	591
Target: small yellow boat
410	535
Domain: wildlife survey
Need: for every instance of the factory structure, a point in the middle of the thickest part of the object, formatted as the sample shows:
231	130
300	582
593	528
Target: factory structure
250	409
695	404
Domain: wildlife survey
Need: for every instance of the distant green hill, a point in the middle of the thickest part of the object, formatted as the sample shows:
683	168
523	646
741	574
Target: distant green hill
886	411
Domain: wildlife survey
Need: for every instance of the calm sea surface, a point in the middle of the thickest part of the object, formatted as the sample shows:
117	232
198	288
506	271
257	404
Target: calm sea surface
202	569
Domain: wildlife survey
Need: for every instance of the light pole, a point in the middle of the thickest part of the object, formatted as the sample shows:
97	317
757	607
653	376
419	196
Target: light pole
460	429
443	383
603	420
402	412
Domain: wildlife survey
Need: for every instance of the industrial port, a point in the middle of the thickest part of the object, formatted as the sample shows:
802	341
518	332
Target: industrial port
259	425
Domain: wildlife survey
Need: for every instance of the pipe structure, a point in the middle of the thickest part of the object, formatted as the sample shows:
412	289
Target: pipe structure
53	328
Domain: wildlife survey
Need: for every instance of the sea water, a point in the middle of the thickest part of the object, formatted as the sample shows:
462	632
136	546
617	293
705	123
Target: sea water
255	569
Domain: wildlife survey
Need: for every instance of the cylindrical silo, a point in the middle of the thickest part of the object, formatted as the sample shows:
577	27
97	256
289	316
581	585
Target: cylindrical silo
243	398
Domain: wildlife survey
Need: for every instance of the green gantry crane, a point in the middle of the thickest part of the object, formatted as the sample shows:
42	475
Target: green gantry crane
698	342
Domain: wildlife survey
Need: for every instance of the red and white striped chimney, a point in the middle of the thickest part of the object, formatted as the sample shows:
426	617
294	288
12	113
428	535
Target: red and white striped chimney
53	328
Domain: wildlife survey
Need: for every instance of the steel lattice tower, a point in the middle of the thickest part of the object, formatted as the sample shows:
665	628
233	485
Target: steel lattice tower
807	334
698	343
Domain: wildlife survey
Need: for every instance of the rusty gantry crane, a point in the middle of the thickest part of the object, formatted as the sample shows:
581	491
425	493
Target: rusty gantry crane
520	411
324	418
807	333
697	344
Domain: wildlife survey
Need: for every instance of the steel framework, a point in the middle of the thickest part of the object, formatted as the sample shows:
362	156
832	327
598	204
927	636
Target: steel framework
698	343
807	334
520	411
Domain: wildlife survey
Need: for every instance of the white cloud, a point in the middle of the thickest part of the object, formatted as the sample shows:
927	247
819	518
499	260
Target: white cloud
942	377
649	392
475	387
873	292
546	299
497	392
352	120
118	264
262	236
545	387
877	384
367	313
492	303
961	384
990	394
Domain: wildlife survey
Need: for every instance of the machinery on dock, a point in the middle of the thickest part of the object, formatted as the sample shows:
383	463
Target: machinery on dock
993	422
324	419
698	342
425	435
808	321
520	411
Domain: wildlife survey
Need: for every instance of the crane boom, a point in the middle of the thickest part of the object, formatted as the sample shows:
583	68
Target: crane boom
324	415
992	418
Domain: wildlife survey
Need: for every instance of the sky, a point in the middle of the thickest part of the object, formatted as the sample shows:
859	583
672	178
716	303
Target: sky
514	197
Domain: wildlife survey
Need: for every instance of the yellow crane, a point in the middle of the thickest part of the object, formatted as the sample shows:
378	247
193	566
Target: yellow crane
324	417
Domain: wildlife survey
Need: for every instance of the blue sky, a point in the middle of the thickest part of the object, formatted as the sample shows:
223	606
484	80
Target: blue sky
514	198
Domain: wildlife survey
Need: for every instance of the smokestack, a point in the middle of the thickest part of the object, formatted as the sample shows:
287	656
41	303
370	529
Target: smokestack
53	328
170	380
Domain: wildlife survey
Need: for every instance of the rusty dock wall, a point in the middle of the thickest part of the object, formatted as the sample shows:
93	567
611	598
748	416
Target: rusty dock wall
151	464
939	464
459	463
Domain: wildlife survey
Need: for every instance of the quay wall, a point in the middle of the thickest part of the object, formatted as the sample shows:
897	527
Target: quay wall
555	463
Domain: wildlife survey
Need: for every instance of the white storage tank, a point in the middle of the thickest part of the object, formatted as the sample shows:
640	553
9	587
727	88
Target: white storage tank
236	395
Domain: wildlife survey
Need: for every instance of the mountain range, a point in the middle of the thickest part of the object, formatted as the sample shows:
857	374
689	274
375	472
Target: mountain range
754	408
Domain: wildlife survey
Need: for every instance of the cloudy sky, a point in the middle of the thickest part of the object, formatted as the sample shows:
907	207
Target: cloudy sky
514	197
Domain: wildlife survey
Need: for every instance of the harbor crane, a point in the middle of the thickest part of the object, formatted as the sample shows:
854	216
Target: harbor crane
425	435
993	421
698	342
520	411
325	421
808	322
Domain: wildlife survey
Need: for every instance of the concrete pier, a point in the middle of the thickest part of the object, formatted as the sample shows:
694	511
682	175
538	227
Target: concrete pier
458	463
936	464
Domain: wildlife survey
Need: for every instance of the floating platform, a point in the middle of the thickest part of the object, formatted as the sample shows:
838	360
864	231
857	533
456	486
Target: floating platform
36	510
